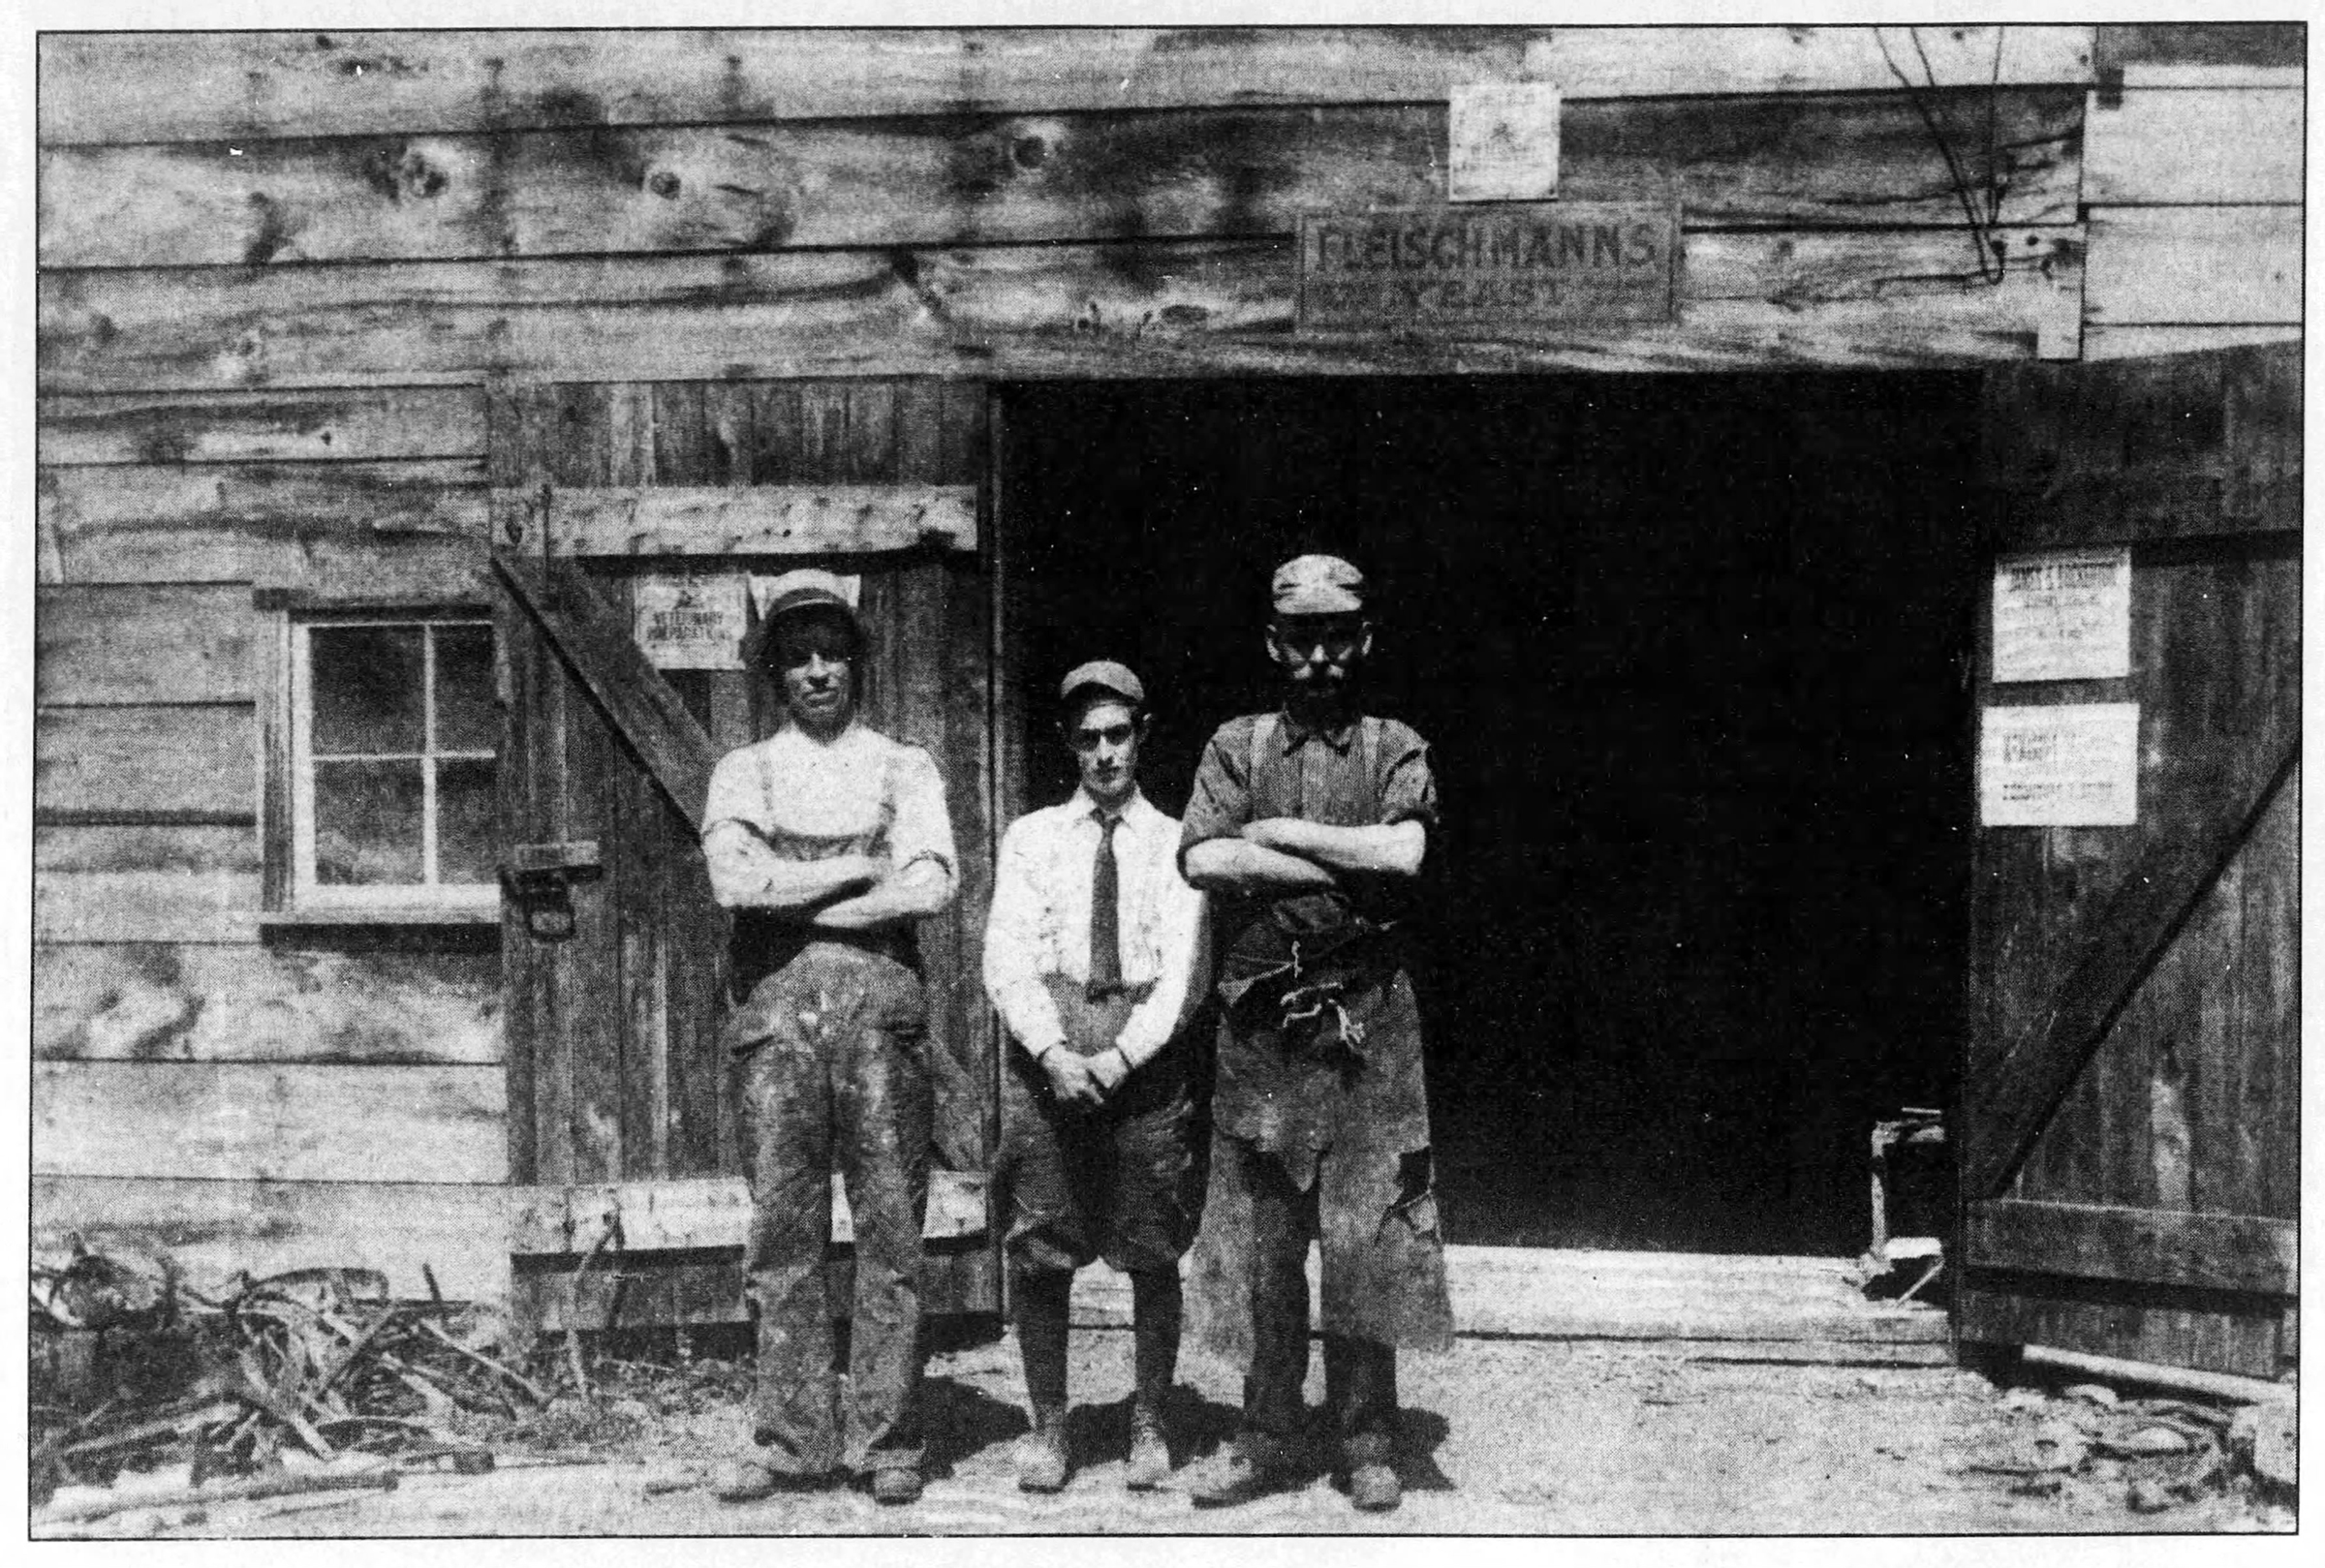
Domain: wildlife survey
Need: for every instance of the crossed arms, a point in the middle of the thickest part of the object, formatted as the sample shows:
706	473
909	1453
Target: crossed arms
1286	854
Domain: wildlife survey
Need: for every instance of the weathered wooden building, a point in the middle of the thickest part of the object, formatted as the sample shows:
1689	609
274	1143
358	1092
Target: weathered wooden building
390	382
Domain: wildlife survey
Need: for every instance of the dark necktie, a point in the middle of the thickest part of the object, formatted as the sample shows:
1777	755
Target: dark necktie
1105	915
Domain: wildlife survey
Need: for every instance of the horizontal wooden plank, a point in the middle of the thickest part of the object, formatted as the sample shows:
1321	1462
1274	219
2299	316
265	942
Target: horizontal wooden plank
1747	300
145	642
2194	264
1216	173
768	519
146	764
241	427
152	1002
403	527
690	1215
2205	147
2102	342
213	1230
97	87
2240	1335
250	1122
145	884
2212	1251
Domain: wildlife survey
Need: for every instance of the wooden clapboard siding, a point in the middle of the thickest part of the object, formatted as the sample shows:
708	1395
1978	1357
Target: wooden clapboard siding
142	643
96	87
145	884
2198	147
2200	264
1748	300
146	764
159	1002
411	529
1211	173
214	1230
228	427
249	1121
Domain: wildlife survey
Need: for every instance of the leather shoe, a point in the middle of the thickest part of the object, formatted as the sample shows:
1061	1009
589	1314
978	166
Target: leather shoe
896	1485
747	1480
1042	1463
1375	1488
1150	1454
1233	1477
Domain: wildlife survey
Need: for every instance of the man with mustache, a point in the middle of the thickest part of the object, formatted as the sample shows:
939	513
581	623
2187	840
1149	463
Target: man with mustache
1309	826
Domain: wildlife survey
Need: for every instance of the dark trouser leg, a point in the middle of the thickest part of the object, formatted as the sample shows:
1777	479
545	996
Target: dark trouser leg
1283	1222
1360	1390
1155	1309
882	1130
784	1107
1042	1301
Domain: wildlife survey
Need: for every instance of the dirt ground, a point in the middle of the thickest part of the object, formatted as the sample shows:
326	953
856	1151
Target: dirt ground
1502	1437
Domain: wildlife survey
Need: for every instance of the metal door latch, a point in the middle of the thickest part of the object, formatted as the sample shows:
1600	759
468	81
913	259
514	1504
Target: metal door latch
540	878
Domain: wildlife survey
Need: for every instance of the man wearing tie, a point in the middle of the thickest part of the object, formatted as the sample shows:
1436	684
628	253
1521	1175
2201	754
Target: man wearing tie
1092	957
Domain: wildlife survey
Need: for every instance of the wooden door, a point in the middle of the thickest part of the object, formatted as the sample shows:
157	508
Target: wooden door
621	1131
2129	1158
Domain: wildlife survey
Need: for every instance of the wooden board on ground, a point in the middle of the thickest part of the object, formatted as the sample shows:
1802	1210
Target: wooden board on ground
97	87
213	1230
145	884
159	1002
1211	173
1900	298
243	1121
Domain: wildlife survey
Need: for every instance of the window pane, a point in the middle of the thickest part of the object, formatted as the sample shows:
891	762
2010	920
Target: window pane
466	719
366	681
464	818
367	824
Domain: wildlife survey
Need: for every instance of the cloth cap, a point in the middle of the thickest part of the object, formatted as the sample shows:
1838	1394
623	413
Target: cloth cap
1106	676
794	592
1318	585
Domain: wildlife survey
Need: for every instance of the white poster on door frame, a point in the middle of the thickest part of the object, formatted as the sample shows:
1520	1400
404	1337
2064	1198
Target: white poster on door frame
694	621
2062	765
2063	615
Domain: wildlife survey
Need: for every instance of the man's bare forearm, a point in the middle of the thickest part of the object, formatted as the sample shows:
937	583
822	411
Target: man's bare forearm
1240	866
1392	850
746	874
917	891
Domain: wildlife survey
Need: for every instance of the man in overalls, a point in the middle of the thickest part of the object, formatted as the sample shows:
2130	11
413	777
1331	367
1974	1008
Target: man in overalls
830	842
1309	826
1093	957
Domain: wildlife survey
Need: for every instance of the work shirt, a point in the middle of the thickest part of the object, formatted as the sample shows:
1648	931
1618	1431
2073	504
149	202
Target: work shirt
1039	925
790	798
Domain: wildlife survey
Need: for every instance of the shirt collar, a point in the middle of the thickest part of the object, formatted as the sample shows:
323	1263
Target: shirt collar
1134	809
1339	737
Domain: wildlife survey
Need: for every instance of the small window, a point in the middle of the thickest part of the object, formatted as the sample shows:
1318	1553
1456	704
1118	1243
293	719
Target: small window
393	736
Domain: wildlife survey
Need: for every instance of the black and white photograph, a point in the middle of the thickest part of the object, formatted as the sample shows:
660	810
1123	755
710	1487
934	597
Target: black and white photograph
1068	775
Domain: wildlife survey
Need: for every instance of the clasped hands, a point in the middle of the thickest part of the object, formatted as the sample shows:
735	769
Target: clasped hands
1085	1081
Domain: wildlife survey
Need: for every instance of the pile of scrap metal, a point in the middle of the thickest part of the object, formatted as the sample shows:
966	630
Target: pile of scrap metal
131	1368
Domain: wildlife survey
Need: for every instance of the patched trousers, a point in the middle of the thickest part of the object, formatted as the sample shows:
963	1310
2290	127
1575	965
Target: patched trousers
831	1074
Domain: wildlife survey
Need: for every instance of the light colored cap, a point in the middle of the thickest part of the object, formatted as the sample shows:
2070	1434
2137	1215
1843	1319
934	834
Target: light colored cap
794	592
1105	675
1318	585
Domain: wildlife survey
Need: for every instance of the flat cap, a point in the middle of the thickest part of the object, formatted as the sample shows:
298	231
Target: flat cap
1318	585
792	594
1106	676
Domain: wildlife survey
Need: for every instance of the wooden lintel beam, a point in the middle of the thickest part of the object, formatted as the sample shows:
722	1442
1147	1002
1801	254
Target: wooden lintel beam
768	519
2155	1246
2007	1106
593	640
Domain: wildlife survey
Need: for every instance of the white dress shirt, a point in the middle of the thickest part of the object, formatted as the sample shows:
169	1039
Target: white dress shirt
790	798
1040	924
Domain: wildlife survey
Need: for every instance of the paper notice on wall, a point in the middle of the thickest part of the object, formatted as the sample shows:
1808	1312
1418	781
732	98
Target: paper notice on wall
691	622
1502	141
2064	615
2073	765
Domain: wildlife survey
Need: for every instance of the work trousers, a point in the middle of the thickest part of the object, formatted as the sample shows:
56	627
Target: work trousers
1360	1375
832	1075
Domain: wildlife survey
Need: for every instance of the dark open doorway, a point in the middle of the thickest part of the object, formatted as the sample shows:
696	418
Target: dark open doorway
1690	655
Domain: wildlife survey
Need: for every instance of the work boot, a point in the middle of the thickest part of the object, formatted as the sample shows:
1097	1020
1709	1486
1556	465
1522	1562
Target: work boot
896	1485
1238	1476
1042	1460
1150	1452
1375	1488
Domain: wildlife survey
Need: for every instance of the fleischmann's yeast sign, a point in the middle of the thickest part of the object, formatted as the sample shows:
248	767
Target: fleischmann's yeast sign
1505	266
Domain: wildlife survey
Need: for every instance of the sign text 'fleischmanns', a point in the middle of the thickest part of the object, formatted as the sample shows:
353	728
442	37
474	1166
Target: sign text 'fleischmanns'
1507	265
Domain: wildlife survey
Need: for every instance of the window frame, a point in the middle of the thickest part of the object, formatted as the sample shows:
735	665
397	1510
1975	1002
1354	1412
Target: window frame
292	894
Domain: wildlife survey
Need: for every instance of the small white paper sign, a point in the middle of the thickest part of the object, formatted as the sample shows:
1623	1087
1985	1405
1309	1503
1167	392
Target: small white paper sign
691	622
2064	615
1502	141
2072	765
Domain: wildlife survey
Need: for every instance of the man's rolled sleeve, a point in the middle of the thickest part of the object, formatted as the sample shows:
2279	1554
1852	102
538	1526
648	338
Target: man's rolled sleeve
1409	786
1221	802
922	829
736	859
